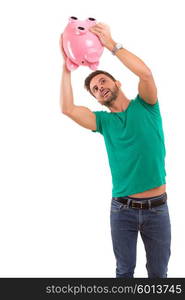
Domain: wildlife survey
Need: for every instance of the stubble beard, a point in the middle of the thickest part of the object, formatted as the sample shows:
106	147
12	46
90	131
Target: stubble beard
111	99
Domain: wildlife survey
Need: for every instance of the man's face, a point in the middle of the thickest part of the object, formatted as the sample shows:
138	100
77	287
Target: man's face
104	89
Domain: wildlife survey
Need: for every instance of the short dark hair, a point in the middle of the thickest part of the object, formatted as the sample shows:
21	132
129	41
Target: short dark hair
92	75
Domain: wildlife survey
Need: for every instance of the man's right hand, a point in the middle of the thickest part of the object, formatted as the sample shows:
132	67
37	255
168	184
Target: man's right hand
62	51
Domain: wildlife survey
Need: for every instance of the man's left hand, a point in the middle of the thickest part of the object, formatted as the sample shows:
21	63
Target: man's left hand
103	32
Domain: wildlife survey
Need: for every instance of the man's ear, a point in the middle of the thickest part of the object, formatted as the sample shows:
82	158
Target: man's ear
118	83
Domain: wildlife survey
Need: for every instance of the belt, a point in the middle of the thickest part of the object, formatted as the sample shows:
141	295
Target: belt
142	203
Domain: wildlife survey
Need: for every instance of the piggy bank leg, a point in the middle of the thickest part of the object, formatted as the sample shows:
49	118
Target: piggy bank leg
70	65
94	66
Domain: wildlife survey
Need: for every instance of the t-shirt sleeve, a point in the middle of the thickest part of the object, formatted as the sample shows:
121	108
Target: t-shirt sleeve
100	121
150	107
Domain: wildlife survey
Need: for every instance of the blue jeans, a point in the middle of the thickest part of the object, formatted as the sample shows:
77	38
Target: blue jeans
155	229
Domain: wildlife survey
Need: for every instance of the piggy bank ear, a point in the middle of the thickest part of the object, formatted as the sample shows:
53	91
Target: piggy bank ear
72	19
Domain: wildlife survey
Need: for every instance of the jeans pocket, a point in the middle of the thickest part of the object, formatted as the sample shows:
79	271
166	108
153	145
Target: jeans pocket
161	209
117	206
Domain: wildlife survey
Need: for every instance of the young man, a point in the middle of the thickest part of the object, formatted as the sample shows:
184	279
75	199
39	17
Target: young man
134	140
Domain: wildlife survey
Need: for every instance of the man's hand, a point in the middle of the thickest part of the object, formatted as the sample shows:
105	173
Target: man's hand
103	32
62	51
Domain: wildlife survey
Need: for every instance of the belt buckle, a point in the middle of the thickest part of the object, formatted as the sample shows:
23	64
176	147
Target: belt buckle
140	203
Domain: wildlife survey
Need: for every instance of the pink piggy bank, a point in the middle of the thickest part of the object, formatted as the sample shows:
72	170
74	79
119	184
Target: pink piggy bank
82	47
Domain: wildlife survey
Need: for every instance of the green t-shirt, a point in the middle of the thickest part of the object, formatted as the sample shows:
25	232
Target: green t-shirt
135	146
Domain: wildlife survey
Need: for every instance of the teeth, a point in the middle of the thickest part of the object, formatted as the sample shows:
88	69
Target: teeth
105	92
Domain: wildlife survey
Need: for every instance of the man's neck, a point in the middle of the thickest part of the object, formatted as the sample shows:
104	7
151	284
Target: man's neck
120	104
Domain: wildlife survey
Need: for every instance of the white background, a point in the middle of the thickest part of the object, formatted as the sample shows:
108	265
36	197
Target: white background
55	180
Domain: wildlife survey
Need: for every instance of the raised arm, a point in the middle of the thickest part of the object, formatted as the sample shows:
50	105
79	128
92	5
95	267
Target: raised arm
146	88
80	114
